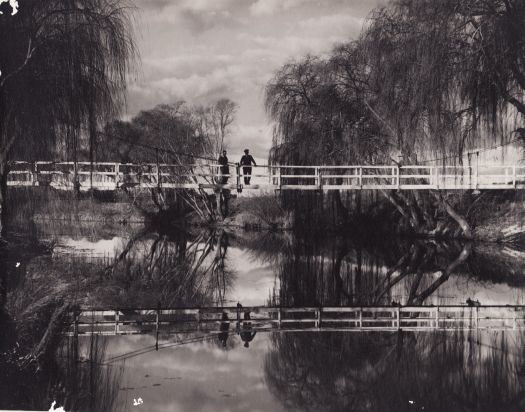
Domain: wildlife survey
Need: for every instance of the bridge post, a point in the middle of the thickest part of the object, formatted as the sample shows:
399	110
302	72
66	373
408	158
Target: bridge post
116	322
514	176
360	175
76	325
34	174
116	170
199	320
157	167
397	176
157	327
393	181
238	177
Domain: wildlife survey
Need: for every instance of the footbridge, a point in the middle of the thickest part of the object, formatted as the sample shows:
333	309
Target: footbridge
113	176
262	318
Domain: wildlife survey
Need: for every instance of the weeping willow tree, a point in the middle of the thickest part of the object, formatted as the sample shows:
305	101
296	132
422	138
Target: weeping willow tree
447	75
64	67
424	80
318	122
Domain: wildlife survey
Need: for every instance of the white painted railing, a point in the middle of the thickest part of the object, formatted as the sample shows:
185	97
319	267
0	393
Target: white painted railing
112	176
115	322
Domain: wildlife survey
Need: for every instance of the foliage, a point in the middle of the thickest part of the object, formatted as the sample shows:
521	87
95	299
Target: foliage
64	72
180	132
65	66
424	80
424	77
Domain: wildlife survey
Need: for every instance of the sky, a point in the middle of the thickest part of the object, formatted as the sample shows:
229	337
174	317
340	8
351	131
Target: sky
200	376
202	50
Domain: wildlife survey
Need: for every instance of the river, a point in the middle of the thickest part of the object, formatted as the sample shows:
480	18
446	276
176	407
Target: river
132	267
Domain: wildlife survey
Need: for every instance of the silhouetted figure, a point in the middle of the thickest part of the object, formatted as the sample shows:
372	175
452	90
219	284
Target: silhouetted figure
133	313
225	327
225	168
471	302
395	303
238	325
246	163
247	333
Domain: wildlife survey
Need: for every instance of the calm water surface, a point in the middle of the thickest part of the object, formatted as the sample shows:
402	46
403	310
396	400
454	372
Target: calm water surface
130	267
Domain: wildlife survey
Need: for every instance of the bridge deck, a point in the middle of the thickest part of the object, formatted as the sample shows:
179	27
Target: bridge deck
171	321
112	176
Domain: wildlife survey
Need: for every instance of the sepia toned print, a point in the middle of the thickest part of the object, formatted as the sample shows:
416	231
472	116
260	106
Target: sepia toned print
261	205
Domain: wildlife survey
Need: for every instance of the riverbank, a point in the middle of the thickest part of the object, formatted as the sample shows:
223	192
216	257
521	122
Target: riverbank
494	216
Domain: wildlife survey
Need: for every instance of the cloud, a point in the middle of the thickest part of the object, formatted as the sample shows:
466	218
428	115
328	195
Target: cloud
206	5
270	7
194	16
154	5
185	65
329	25
257	138
203	50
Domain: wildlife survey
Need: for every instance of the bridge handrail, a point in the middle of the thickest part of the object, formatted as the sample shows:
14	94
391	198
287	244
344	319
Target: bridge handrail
391	318
307	177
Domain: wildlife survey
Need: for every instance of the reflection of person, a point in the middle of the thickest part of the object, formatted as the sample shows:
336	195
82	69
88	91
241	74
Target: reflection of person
225	326
225	169
246	163
247	333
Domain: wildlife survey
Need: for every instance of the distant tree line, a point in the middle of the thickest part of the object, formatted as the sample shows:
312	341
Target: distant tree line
424	79
176	133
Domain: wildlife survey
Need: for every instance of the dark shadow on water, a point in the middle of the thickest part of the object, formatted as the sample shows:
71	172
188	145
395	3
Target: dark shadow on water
74	377
402	371
344	271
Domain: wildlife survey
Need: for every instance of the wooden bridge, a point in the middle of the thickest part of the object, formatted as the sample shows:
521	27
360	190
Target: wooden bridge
113	176
216	319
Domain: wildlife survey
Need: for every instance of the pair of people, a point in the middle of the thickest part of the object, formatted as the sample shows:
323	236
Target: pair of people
246	162
247	332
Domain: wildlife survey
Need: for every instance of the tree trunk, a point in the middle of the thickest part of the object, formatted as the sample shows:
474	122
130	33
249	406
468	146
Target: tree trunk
3	196
459	219
48	342
445	274
219	201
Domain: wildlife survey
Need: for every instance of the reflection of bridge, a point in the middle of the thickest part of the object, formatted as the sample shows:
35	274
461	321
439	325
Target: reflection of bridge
171	321
111	176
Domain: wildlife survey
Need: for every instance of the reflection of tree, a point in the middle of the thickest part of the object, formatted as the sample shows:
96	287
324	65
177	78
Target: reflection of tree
86	383
175	269
322	371
39	367
440	371
341	272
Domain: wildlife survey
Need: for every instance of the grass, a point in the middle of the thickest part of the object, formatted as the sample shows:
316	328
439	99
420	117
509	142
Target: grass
49	204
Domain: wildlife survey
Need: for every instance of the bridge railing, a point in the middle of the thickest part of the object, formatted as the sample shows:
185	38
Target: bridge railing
111	176
115	322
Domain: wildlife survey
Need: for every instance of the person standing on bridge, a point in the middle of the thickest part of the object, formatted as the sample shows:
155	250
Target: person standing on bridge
246	163
224	168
